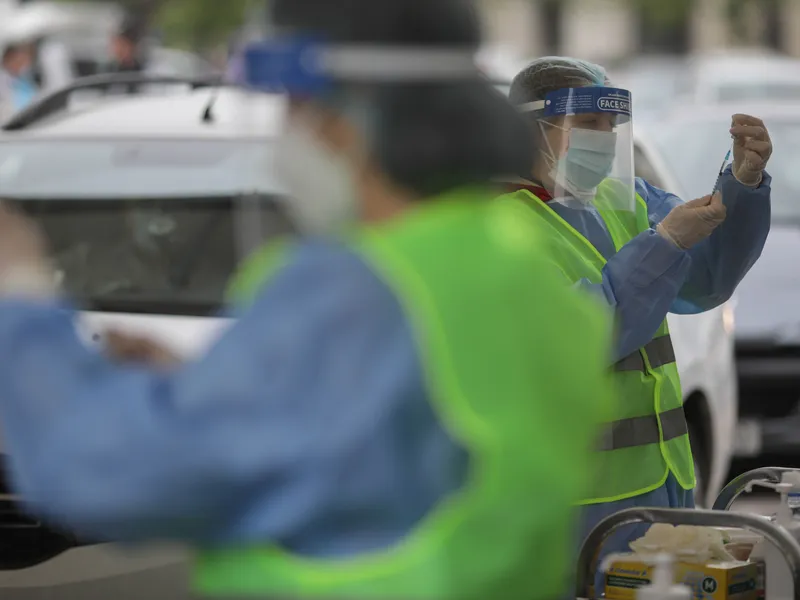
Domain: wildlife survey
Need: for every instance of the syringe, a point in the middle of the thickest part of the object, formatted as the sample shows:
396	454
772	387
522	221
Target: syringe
724	166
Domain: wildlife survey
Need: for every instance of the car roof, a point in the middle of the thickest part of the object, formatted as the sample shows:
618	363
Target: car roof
766	109
743	67
235	113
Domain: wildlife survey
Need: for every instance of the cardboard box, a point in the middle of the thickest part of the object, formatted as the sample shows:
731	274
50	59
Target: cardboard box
712	581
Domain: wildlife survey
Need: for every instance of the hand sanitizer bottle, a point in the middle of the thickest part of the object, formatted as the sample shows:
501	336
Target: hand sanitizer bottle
663	586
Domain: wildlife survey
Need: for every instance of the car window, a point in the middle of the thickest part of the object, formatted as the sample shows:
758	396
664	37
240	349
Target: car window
762	91
162	256
97	168
503	88
644	169
694	151
652	90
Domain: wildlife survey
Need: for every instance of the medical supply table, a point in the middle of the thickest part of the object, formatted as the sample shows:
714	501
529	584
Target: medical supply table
721	516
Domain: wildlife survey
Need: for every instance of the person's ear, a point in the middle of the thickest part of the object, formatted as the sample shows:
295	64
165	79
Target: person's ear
341	135
556	137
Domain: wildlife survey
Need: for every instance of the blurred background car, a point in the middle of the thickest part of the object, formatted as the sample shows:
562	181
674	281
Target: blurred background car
654	82
693	142
740	76
704	352
660	83
149	202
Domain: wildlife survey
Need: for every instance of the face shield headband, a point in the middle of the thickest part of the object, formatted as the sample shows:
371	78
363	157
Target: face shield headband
309	68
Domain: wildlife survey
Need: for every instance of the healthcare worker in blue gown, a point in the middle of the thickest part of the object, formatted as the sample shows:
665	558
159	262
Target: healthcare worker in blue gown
688	261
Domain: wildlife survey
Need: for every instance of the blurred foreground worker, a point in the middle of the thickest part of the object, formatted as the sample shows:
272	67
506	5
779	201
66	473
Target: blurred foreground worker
645	253
393	415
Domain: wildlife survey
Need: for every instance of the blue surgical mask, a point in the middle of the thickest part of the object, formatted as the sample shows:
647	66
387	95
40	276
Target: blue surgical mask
588	161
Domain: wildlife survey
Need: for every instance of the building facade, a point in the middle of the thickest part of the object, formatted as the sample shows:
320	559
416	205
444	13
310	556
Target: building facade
610	30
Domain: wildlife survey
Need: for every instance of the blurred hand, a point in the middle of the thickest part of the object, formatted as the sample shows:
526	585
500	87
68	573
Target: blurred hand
752	149
690	223
25	269
127	348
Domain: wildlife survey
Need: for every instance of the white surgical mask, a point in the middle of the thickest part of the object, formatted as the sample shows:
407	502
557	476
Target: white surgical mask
320	182
588	161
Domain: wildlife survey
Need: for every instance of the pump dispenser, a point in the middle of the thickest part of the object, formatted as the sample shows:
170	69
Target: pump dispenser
779	582
663	586
793	477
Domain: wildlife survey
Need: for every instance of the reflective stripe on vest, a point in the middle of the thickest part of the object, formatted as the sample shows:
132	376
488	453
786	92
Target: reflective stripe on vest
638	450
641	431
659	352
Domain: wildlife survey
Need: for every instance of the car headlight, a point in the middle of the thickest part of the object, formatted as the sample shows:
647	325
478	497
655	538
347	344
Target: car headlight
728	319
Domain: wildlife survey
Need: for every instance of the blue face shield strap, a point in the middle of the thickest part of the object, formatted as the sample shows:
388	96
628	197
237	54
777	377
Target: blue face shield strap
307	67
575	101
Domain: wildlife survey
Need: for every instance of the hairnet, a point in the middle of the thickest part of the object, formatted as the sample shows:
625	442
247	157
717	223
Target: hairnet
552	73
427	137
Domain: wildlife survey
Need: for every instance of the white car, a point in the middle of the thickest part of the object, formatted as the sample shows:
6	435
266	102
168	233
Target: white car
704	348
739	75
149	203
661	84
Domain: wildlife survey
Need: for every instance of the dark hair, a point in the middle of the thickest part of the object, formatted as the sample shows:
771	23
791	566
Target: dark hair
428	137
132	29
10	50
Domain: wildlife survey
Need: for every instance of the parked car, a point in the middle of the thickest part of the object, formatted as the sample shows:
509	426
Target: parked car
654	83
740	76
660	83
767	333
704	350
148	202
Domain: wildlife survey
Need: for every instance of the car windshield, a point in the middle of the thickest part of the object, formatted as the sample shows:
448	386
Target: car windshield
98	168
146	226
694	150
161	256
763	91
652	89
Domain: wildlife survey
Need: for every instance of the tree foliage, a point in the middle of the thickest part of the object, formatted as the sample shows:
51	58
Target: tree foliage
190	23
199	23
668	12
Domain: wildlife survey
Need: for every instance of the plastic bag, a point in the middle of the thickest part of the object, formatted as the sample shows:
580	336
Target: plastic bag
686	542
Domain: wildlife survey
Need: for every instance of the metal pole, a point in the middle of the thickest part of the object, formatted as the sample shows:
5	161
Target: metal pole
737	486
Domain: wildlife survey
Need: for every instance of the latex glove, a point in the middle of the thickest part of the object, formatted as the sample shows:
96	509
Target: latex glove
690	223
127	348
752	149
25	269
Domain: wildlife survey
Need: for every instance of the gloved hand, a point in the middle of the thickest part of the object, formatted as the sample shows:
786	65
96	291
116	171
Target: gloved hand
126	348
25	268
752	149
690	223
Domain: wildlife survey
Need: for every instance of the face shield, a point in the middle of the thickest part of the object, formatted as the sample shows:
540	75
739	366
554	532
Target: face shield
586	147
318	181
